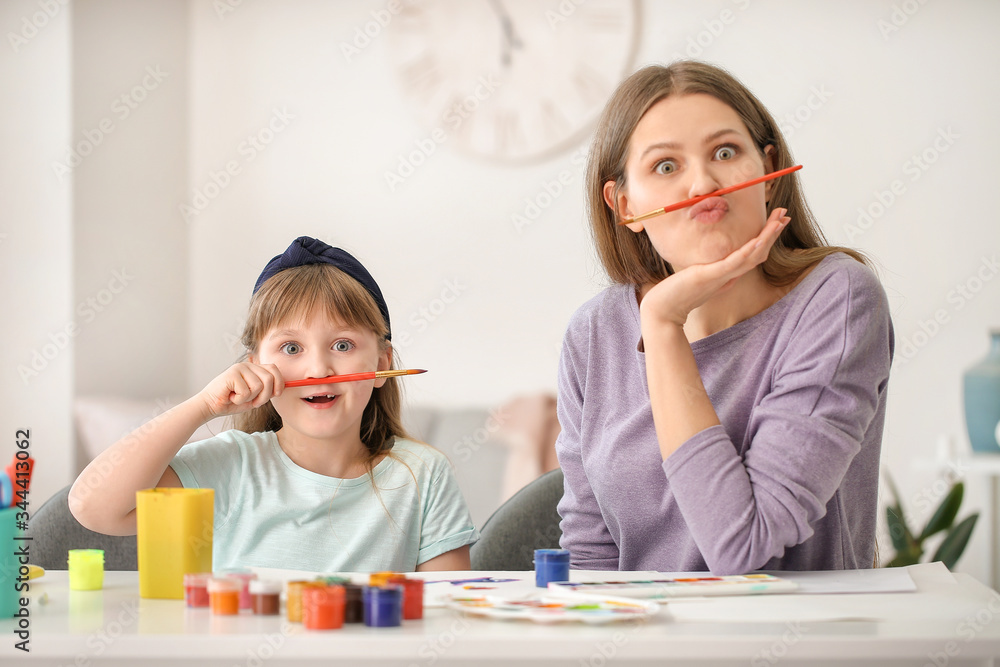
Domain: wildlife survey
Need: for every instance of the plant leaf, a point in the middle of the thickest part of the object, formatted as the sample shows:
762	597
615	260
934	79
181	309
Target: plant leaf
906	557
955	541
902	538
944	515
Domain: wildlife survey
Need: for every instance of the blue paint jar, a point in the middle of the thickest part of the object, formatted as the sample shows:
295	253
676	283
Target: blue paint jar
551	565
383	606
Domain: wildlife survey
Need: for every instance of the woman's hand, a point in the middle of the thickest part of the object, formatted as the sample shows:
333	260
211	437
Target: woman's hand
672	299
241	387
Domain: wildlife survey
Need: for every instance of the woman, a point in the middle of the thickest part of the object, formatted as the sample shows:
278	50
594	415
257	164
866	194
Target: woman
722	404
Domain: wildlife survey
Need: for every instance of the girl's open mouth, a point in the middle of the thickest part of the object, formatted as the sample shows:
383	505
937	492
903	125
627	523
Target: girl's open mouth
320	401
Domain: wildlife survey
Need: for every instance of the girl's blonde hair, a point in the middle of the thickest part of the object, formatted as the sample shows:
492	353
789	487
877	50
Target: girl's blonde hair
630	258
299	292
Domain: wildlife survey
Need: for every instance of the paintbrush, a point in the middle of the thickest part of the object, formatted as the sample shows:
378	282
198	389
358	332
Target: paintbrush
354	377
717	193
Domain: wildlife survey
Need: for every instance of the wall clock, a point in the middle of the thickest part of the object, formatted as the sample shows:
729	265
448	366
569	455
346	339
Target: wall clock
512	80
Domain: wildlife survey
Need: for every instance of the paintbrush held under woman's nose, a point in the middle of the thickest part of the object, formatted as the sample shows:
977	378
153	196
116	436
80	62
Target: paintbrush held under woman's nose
717	193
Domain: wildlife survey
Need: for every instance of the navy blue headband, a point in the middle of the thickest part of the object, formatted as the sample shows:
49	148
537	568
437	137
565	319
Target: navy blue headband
307	250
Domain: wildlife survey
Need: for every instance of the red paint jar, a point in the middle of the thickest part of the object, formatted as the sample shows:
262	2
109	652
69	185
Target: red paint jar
323	607
413	598
196	589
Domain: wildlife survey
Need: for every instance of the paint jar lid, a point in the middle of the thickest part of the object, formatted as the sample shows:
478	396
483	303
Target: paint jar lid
199	579
380	594
265	587
315	595
85	557
552	555
382	578
224	585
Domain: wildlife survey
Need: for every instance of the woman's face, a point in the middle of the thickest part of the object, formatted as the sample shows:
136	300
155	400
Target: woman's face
683	147
317	347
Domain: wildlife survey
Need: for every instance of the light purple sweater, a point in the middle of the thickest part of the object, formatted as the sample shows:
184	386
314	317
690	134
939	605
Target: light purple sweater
789	481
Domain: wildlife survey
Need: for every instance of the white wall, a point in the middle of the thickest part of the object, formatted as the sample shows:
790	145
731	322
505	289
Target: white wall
863	88
36	242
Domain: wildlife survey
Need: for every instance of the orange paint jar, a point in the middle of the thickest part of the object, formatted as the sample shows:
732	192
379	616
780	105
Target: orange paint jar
293	599
323	607
224	595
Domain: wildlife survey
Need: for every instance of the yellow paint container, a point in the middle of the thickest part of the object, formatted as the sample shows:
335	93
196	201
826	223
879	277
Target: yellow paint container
86	569
175	528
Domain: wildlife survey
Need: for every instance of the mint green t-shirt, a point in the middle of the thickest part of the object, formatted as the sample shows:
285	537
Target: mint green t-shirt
269	512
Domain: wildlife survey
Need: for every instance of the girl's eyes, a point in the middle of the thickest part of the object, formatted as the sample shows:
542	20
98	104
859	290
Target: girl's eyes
343	346
291	348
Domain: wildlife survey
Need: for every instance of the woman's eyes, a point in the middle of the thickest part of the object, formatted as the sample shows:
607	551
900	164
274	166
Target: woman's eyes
665	167
343	346
725	153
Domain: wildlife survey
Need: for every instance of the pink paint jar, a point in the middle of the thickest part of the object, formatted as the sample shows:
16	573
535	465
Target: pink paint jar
196	589
245	577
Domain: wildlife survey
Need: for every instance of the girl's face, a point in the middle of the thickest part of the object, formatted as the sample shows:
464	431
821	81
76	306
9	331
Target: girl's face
316	347
685	146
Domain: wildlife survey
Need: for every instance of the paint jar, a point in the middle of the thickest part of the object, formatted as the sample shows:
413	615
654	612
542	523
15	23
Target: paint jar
383	606
196	589
86	569
323	607
383	578
413	598
551	565
265	597
224	595
293	601
354	604
245	577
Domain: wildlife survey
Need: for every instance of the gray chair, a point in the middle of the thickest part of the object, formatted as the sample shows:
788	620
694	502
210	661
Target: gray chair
54	531
527	521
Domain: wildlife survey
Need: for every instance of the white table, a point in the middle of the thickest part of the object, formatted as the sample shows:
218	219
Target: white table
949	620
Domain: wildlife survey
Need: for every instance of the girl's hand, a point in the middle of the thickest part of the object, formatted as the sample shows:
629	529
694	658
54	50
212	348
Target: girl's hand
241	387
672	299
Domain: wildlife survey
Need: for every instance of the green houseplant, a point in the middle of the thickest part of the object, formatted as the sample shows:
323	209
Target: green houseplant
910	546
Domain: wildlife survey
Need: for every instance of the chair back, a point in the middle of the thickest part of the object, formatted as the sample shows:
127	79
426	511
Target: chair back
54	531
527	521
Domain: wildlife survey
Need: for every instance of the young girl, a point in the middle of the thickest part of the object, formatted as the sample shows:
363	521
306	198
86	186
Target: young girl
722	404
317	478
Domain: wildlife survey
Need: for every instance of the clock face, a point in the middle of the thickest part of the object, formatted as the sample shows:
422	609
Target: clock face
513	80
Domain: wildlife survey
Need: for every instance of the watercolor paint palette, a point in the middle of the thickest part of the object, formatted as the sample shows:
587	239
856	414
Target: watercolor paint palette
741	584
552	608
